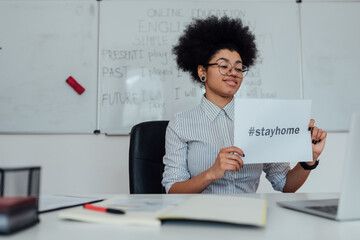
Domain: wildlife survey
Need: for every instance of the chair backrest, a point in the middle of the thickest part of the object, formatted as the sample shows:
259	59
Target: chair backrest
147	148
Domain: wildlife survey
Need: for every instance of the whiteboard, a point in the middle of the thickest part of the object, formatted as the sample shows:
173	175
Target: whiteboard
139	78
130	75
331	61
42	43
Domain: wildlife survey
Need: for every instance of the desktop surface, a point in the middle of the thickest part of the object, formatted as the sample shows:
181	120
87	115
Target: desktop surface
281	224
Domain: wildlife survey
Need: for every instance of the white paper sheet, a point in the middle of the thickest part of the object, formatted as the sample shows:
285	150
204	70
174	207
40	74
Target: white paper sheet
49	202
270	130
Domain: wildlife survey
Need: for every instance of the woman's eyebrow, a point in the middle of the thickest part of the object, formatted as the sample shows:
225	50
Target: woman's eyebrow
225	59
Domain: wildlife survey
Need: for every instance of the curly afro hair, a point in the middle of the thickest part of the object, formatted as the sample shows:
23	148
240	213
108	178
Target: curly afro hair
203	38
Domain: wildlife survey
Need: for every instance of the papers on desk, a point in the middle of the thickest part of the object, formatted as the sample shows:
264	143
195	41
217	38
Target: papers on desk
150	212
49	202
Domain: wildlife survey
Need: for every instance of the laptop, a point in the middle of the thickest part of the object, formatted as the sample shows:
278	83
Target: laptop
347	206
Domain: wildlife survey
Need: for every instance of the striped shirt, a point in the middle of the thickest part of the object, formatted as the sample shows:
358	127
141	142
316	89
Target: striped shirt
193	141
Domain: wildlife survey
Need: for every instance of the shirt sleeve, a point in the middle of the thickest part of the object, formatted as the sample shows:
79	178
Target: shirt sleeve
175	159
276	174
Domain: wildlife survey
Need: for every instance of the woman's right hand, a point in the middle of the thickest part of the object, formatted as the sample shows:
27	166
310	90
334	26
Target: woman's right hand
228	159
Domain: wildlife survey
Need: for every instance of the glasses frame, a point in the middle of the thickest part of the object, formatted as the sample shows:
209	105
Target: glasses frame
244	69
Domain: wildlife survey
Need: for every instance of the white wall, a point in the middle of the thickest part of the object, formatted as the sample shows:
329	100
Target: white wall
86	164
71	164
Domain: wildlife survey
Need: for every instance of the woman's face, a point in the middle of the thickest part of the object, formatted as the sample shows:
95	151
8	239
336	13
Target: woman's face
223	85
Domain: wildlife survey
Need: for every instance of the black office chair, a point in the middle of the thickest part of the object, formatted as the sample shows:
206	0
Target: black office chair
147	148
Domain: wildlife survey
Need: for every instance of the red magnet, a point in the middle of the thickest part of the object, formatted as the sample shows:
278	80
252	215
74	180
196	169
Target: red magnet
75	85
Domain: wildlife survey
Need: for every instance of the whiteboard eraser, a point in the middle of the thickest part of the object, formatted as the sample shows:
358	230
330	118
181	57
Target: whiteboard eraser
75	85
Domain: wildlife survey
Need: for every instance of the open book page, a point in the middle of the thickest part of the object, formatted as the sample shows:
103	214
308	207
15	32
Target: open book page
228	209
143	203
140	210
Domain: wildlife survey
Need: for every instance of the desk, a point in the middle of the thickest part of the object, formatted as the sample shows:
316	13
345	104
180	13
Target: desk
281	224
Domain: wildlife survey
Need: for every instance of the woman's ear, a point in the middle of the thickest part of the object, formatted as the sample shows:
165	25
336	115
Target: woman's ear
201	71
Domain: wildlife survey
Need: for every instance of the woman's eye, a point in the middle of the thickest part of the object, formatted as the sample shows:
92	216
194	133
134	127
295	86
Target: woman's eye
224	66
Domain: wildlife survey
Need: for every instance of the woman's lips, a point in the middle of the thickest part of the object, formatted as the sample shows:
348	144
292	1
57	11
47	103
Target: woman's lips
231	81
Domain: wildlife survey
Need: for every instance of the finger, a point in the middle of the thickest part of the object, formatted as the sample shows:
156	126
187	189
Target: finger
228	164
229	155
311	124
314	135
233	149
323	136
320	131
236	158
235	165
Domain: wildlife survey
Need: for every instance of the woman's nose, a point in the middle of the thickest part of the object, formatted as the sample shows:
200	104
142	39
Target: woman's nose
233	72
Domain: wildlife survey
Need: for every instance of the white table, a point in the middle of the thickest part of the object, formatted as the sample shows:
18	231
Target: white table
281	224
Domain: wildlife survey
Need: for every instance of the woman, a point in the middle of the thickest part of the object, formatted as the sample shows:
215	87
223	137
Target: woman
200	156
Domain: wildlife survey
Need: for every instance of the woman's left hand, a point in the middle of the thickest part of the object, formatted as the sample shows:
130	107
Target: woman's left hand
318	139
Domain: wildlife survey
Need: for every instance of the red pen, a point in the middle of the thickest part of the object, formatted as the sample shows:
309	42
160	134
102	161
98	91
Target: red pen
103	209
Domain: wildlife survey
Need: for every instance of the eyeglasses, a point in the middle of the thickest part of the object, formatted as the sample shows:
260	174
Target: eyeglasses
226	67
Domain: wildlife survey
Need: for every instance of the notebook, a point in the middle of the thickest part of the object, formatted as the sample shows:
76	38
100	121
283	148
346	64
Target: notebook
152	212
347	206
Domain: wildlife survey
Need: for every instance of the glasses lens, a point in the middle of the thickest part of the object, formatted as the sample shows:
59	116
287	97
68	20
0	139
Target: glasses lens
225	68
244	70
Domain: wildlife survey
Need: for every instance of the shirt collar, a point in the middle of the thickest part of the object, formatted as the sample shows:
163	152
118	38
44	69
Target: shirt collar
212	111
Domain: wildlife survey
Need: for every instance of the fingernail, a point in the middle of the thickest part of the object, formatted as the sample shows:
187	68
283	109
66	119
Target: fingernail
243	154
313	141
309	128
319	140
